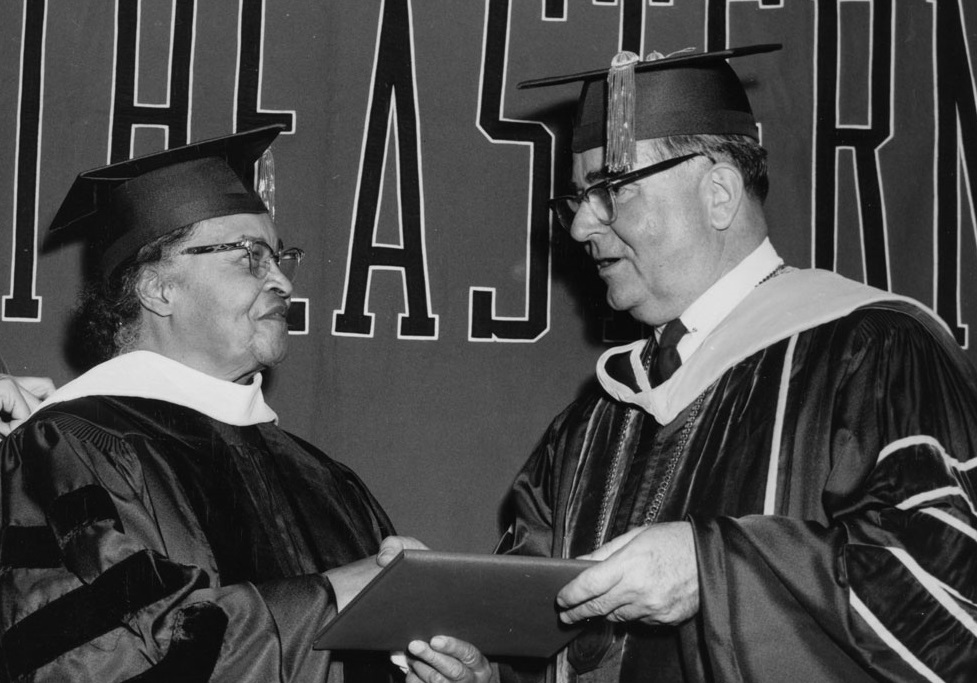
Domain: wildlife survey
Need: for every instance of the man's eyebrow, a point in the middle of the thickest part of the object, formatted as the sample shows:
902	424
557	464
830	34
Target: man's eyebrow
593	177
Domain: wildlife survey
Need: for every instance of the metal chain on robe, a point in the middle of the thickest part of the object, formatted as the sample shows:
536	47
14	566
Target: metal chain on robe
782	268
651	515
610	487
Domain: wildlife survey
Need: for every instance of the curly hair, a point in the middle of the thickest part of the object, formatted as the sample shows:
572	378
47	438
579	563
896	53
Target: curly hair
741	151
107	315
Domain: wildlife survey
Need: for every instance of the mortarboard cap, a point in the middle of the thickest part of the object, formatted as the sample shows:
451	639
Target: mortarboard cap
684	94
125	205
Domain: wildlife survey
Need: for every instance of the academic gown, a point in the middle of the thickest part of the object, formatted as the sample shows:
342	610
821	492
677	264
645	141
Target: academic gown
827	470
146	541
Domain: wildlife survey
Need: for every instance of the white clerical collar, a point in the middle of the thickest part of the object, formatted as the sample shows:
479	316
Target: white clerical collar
146	374
724	295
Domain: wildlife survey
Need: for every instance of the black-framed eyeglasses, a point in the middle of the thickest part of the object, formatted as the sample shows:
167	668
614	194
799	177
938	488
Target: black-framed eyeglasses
600	195
260	256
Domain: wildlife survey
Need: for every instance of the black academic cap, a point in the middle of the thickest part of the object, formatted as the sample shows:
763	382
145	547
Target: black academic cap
685	94
125	205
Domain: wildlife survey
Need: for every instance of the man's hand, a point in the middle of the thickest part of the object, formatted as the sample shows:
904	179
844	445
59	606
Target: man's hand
649	574
19	396
447	659
350	579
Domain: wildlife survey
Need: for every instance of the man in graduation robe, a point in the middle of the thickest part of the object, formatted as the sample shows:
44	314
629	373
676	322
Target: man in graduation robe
779	485
157	524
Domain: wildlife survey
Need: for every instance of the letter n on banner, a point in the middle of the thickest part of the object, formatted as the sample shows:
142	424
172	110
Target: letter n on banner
393	108
956	140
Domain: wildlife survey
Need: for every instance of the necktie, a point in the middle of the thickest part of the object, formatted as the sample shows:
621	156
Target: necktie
667	360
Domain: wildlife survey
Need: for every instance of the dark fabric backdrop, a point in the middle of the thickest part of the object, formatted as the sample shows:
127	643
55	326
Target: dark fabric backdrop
441	322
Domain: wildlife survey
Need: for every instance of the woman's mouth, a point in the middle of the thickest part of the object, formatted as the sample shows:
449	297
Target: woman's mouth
603	263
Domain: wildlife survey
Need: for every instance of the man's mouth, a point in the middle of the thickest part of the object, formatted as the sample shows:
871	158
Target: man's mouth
277	313
603	263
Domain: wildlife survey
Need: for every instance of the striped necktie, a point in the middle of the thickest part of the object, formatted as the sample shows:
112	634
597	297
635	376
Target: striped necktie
667	360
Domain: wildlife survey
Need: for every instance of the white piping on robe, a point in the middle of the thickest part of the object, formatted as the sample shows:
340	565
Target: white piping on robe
889	639
770	500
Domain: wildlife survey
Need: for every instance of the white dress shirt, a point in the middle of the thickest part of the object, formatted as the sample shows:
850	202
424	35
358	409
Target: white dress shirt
722	297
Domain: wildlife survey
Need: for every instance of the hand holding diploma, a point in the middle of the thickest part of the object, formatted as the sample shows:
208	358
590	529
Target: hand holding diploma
444	658
648	574
347	581
447	659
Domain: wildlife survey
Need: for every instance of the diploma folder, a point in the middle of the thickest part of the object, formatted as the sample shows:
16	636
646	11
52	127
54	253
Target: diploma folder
505	605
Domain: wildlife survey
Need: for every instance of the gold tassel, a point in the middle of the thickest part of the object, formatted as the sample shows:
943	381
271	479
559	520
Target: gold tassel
265	181
620	152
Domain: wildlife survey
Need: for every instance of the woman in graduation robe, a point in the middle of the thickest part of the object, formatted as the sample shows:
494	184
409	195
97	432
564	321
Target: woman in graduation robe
157	524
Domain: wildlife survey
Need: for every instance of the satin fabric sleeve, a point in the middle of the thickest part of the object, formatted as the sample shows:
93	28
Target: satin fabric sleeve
89	591
530	512
889	579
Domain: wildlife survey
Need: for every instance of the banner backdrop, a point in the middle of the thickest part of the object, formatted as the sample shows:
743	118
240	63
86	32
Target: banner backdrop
441	320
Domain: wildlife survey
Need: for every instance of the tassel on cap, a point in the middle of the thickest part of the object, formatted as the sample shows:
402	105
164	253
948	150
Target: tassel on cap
684	93
265	181
619	154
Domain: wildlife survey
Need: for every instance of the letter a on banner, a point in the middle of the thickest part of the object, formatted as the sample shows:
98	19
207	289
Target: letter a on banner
393	109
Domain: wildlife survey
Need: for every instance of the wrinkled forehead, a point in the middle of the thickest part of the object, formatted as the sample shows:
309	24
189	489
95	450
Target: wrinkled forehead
589	166
235	227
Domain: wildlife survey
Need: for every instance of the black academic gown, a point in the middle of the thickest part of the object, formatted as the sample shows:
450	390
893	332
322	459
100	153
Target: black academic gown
145	541
851	557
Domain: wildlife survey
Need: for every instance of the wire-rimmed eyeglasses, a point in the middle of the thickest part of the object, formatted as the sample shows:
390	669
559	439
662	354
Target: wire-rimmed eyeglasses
260	256
600	195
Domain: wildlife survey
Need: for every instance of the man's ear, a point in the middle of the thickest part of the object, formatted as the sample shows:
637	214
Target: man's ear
724	193
154	290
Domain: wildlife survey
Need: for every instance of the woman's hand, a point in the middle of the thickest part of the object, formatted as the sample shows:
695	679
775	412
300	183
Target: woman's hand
447	659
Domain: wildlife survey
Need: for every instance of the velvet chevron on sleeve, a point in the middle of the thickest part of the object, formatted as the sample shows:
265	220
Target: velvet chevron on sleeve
895	553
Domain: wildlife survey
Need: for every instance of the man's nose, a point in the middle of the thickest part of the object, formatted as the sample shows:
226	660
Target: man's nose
586	224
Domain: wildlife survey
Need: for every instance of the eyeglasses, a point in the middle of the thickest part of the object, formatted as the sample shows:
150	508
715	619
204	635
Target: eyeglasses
260	256
600	196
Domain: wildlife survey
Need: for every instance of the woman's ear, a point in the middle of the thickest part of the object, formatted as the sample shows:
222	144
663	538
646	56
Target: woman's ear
724	193
154	290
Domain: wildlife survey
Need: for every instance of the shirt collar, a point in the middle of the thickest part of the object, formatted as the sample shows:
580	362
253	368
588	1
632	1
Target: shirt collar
724	295
146	374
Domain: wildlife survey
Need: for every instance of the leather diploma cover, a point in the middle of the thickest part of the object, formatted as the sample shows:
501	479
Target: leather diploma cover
505	605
